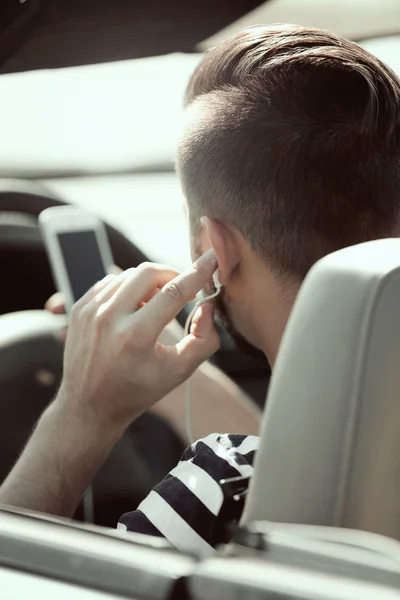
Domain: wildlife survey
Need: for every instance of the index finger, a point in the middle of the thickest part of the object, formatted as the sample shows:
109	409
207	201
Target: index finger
170	300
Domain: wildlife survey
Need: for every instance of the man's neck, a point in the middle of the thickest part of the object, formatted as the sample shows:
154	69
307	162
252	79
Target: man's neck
275	306
272	335
268	306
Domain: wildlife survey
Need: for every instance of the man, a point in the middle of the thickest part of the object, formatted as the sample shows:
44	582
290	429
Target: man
290	151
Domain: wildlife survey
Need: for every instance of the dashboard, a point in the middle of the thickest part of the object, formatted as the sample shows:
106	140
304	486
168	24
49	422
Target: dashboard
42	557
20	586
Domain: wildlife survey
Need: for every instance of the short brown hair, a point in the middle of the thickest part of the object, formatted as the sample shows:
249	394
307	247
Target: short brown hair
293	137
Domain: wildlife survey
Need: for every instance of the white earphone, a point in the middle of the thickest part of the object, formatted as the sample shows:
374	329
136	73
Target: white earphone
218	287
216	280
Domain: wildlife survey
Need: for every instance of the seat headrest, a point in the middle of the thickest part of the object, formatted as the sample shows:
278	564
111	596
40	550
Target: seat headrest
330	443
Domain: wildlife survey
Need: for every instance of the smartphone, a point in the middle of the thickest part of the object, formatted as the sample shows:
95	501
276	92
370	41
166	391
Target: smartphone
78	249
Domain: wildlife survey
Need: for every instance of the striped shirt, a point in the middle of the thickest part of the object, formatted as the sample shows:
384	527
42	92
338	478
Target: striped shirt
188	507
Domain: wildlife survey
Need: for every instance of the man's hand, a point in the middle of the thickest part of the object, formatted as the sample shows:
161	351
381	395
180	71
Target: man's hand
114	365
114	368
217	403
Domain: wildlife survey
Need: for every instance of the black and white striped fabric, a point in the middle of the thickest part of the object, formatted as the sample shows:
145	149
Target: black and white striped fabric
186	507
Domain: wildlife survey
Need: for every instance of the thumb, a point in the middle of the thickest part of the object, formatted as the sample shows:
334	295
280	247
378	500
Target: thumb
203	340
203	321
55	304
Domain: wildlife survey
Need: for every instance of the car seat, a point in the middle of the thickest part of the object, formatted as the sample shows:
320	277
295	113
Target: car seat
330	442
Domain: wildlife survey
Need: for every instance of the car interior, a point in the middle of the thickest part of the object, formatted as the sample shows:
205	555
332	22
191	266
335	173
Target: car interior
83	122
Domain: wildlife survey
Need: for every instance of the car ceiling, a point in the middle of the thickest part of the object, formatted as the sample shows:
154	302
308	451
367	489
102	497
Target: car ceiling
37	34
355	19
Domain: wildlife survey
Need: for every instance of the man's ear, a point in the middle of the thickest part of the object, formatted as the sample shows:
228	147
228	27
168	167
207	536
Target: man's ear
217	235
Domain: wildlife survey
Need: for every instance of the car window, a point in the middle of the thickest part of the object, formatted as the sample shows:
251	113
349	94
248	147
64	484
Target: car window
93	119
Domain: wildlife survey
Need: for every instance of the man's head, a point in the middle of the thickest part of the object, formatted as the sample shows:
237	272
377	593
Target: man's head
290	150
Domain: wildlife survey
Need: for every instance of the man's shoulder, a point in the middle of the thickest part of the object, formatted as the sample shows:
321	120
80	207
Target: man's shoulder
232	442
189	507
229	449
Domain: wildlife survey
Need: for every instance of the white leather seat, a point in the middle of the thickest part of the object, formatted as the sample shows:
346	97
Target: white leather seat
330	447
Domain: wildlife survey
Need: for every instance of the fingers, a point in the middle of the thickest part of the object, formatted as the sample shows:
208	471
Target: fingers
55	304
139	285
165	305
123	294
112	286
92	292
114	270
131	277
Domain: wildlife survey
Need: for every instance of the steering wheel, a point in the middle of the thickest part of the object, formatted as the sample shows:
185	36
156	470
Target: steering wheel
31	357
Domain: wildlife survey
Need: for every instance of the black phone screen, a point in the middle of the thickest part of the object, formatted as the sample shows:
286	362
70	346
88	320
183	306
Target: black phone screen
82	259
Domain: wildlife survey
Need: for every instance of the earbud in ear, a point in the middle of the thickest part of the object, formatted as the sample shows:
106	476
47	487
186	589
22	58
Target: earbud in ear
216	280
